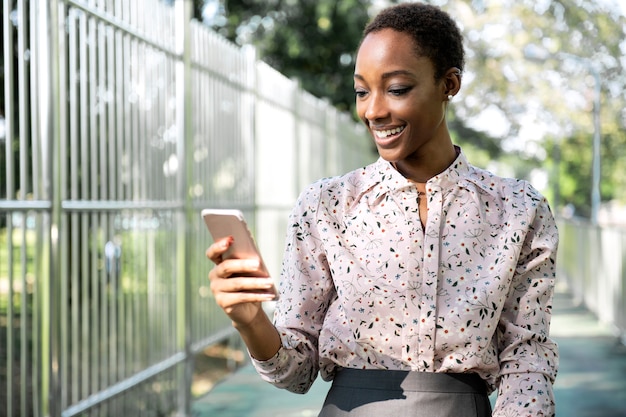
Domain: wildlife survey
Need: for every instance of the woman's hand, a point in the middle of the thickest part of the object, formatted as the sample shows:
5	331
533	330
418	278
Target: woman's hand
239	285
241	296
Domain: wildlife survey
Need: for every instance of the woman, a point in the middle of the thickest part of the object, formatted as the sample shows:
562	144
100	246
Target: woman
418	284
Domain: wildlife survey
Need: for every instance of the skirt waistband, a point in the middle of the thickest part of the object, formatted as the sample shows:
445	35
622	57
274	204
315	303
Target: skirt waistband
382	379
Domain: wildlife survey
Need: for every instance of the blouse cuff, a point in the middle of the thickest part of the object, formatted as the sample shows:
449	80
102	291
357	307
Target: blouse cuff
525	395
279	360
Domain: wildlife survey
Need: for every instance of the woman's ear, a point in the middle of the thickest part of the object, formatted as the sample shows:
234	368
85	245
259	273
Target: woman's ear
452	82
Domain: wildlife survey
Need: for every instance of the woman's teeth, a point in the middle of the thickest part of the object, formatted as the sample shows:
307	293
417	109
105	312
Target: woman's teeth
385	133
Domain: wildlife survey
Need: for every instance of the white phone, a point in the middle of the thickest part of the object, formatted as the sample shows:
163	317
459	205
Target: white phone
222	223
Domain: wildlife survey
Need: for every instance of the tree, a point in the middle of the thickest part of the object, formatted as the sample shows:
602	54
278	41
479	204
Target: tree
312	40
315	42
540	106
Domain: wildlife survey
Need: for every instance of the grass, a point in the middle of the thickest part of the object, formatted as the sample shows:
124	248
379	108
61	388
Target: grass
21	260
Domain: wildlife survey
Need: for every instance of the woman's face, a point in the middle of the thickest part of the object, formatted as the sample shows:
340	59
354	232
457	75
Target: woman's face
398	98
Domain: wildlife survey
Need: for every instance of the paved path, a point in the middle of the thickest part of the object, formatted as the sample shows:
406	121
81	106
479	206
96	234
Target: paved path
592	372
591	380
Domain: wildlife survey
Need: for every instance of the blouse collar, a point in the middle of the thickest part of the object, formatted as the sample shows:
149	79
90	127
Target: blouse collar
384	174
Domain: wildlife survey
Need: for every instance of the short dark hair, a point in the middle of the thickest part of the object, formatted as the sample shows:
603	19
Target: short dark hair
435	33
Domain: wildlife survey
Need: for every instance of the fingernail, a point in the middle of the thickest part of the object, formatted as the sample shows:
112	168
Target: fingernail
252	263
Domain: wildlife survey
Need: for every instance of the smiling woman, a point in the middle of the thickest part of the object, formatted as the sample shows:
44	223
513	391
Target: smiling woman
402	102
418	284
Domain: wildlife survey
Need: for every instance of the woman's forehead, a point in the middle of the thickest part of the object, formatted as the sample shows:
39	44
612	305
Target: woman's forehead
389	50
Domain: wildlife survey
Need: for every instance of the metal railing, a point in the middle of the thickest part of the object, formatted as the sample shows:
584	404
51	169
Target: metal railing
592	260
123	119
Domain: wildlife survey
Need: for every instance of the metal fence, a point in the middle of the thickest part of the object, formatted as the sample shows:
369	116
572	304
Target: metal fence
122	120
592	260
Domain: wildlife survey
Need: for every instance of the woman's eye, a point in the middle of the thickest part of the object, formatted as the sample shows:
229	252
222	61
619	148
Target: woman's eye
360	93
399	91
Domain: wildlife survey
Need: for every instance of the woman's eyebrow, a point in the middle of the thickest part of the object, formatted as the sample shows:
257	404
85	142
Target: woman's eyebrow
389	74
396	73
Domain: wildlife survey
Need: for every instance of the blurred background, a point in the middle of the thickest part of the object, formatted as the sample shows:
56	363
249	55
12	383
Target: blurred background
121	120
542	78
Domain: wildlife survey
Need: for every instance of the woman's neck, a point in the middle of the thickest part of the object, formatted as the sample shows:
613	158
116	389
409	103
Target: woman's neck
420	170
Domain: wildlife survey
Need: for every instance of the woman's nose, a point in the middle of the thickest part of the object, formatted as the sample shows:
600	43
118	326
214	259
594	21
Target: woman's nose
376	108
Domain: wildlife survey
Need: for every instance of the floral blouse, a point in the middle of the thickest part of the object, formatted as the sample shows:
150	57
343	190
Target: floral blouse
364	285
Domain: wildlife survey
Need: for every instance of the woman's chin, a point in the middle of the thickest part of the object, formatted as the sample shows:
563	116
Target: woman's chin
389	155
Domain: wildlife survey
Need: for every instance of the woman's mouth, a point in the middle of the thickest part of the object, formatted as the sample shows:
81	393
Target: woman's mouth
384	134
386	137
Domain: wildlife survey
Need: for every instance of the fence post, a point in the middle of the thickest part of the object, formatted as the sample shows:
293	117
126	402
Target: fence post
46	141
251	87
184	14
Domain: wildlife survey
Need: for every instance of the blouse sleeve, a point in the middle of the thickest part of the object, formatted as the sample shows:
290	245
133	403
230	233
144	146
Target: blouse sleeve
306	290
528	357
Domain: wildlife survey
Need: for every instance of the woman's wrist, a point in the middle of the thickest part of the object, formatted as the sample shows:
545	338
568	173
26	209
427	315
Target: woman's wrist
260	336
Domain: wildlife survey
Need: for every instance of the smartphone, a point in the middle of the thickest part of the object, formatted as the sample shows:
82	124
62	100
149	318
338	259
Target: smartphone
223	223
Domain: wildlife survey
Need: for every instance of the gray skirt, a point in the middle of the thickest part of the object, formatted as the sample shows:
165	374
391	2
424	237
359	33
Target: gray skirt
381	393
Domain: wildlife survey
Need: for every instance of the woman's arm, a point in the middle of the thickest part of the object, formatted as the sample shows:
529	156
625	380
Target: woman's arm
306	290
528	357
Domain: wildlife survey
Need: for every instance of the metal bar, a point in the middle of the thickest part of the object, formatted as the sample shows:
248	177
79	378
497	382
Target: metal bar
21	205
27	122
72	177
9	97
140	151
183	11
67	321
24	72
218	336
119	101
80	264
92	181
118	193
129	29
46	64
124	385
99	39
135	190
37	116
9	77
81	171
112	274
126	106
